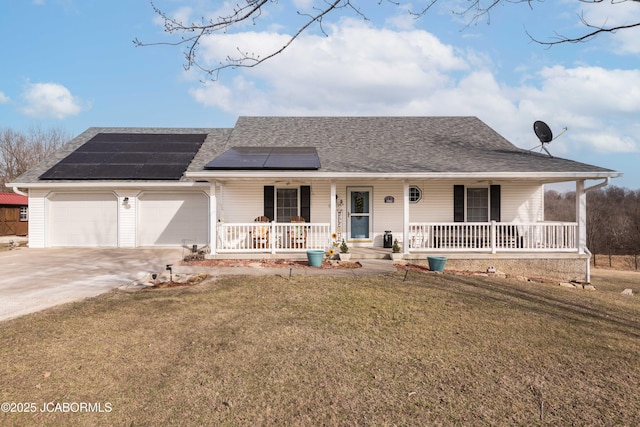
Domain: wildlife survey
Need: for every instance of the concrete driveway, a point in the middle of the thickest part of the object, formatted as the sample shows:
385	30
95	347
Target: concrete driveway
34	279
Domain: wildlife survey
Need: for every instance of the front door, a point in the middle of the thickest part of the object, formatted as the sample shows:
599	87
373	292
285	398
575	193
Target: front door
359	215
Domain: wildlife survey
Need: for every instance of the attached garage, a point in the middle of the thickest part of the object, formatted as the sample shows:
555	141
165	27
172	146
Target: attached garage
83	219
168	219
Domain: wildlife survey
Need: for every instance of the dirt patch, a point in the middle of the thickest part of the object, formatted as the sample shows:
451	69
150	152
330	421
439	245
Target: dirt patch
188	281
278	263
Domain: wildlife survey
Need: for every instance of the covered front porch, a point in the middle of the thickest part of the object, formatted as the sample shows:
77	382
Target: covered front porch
491	238
333	209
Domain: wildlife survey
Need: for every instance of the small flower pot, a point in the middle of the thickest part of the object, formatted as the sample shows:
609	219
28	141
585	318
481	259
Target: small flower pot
345	256
396	256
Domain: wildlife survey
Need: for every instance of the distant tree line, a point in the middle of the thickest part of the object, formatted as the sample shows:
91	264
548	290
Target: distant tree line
20	151
613	219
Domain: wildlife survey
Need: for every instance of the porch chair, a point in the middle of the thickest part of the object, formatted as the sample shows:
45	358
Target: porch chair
260	233
298	233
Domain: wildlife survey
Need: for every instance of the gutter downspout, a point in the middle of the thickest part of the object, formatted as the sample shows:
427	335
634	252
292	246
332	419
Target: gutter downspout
15	190
597	186
587	251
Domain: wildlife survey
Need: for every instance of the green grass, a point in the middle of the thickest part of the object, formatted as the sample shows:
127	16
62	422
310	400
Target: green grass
433	350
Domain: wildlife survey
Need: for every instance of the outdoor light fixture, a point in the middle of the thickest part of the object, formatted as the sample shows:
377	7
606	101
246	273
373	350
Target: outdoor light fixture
170	272
125	202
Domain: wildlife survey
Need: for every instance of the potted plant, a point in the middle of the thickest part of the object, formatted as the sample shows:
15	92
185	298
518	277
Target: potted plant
344	251
396	251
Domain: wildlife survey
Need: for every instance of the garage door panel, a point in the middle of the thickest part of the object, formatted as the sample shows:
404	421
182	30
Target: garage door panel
168	219
84	219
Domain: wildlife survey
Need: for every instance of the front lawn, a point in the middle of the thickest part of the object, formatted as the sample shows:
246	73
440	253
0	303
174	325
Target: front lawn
432	350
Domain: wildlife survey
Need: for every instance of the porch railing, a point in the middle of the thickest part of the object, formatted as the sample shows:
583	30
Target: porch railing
272	237
493	237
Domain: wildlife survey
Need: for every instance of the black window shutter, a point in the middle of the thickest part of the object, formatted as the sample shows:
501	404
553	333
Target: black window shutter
495	202
269	195
305	202
458	203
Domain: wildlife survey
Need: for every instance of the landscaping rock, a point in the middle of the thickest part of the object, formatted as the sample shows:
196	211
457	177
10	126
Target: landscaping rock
567	285
627	292
589	287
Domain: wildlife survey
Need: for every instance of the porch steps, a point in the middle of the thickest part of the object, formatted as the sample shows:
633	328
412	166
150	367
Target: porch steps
370	253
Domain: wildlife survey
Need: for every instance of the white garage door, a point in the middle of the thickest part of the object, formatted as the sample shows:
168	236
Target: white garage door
168	219
83	219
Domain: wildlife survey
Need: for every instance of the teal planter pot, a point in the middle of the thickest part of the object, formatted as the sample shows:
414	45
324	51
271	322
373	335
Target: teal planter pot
315	257
436	263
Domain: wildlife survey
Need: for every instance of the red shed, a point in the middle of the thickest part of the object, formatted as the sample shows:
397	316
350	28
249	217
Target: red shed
14	214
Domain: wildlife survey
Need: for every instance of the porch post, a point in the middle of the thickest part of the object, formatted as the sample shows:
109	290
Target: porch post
581	216
332	209
405	219
213	218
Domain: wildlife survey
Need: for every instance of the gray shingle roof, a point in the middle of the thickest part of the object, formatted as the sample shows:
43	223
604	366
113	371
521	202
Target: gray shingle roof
367	145
400	144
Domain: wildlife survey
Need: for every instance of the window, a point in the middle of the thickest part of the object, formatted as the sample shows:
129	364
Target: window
286	204
415	194
24	213
477	204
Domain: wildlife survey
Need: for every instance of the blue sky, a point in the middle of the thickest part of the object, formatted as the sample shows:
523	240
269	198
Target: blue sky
71	64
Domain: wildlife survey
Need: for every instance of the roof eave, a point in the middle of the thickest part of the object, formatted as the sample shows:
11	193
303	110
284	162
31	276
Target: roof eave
108	184
529	176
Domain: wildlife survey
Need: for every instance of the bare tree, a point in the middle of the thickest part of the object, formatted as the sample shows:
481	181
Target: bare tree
613	219
560	206
633	231
191	34
21	151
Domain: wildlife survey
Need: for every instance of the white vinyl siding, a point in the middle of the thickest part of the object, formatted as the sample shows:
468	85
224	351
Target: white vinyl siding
240	201
83	219
522	202
244	201
37	229
170	219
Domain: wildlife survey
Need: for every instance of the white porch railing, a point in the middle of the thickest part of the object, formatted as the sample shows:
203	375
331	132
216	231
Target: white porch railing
493	237
272	237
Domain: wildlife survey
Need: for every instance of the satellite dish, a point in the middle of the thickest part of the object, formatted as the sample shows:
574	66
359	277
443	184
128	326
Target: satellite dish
543	132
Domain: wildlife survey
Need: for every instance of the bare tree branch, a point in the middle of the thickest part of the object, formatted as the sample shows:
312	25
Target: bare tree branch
191	34
559	39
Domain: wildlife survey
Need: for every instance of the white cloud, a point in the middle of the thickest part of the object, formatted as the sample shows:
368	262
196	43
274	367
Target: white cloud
50	100
361	70
357	69
4	98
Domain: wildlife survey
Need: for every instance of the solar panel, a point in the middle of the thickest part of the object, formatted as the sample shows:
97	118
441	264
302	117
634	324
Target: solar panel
69	171
247	158
293	158
114	171
129	156
160	172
